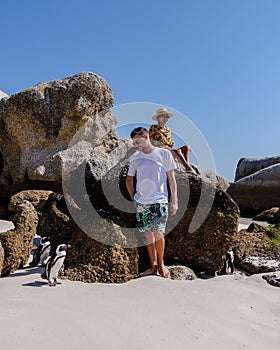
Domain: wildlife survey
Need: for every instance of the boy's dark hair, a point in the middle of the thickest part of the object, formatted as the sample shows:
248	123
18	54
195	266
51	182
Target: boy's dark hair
139	131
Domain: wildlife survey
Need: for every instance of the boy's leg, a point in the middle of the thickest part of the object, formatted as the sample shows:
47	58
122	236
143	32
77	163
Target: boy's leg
151	248
183	159
160	245
186	150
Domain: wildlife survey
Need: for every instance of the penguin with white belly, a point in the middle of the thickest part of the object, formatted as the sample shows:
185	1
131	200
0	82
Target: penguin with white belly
42	253
54	264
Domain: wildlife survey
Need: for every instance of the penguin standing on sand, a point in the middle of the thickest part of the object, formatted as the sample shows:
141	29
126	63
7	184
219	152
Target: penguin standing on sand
42	253
229	261
54	264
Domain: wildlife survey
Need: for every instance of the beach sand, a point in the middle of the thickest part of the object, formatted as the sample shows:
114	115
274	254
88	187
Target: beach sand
6	225
224	312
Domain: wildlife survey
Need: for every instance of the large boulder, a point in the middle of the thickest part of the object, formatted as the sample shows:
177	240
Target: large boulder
61	136
55	125
273	279
17	243
2	257
248	166
257	249
201	232
36	197
181	273
198	237
258	191
88	260
267	215
200	241
276	218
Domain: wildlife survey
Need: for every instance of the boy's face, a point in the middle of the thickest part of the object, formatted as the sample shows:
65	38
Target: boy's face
140	142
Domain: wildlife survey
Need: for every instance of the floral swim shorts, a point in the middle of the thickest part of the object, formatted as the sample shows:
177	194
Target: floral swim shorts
151	217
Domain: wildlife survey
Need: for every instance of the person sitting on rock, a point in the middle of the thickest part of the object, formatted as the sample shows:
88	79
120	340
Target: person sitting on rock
161	136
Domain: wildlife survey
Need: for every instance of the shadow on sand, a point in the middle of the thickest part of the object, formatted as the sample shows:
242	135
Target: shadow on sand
35	284
27	270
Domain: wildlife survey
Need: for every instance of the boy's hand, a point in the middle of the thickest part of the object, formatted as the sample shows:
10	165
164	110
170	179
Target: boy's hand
173	207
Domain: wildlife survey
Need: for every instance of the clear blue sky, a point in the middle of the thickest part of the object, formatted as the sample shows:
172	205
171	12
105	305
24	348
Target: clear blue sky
216	61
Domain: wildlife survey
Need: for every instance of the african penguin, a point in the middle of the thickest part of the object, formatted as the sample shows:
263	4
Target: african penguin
42	253
229	261
54	264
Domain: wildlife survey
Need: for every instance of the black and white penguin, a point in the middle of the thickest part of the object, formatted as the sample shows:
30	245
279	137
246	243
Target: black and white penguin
229	261
42	253
54	264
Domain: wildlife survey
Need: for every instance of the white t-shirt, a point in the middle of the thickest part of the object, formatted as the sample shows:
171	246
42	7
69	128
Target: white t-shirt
150	171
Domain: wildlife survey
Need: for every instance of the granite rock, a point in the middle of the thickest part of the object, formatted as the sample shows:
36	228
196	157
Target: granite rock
180	272
272	279
88	260
17	243
257	264
248	166
201	232
53	125
36	197
257	249
258	191
198	240
267	215
2	257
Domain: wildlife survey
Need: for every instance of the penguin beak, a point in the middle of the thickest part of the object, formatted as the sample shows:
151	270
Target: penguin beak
64	247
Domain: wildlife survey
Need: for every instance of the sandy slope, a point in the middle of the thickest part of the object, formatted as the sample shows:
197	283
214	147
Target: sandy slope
225	312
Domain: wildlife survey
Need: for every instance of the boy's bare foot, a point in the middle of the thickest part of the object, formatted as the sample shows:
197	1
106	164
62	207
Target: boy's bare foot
164	272
190	170
149	272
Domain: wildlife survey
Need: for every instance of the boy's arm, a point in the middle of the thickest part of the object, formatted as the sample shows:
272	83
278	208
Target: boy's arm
129	186
173	189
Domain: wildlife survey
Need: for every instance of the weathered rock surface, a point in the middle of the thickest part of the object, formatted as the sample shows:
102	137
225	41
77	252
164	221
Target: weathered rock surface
2	257
248	166
55	135
180	272
267	215
205	247
38	126
195	239
88	260
223	184
257	264
18	243
273	279
36	197
257	192
276	218
257	249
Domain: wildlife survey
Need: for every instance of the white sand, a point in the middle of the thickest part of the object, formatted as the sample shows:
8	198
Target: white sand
6	225
226	312
244	222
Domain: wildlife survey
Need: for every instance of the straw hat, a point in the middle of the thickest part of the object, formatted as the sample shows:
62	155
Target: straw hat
162	111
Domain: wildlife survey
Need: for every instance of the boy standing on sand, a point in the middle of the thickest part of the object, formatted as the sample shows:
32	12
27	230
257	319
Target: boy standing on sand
152	166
